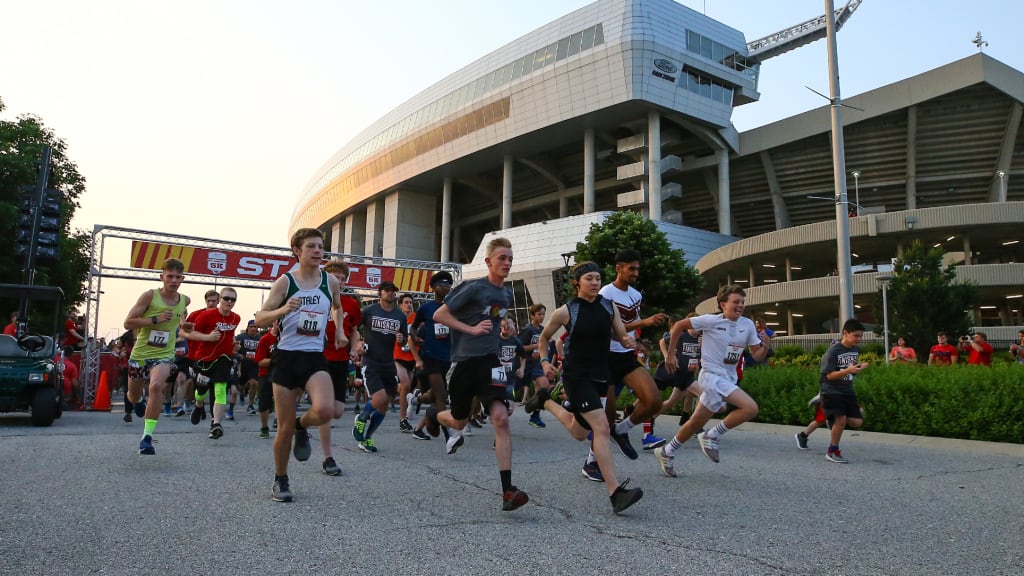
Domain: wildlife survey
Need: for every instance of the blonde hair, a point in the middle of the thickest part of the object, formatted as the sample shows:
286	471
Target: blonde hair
498	243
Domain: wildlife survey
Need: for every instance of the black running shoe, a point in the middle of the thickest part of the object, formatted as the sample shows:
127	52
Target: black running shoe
536	402
281	492
216	431
513	498
199	413
405	426
420	435
331	467
302	449
622	440
140	409
624	497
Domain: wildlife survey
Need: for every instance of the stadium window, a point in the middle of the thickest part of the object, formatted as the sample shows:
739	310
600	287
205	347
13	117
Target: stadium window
575	42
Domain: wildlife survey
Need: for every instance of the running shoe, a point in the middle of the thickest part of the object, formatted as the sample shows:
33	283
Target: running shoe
432	425
591	471
801	440
453	443
622	440
814	402
624	497
359	429
368	446
468	430
536	403
281	492
146	446
413	401
513	498
264	433
475	422
140	409
404	426
231	415
302	450
557	391
199	413
216	431
180	411
535	420
167	409
836	456
128	417
331	467
666	462
250	410
650	442
420	435
709	446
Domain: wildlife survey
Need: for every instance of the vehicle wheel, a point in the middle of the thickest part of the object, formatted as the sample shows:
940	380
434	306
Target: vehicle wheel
44	406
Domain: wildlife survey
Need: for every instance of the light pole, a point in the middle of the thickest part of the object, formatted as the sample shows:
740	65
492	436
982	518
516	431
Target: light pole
884	279
1002	185
856	189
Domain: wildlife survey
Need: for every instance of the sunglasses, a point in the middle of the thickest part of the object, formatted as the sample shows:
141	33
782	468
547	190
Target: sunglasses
228	298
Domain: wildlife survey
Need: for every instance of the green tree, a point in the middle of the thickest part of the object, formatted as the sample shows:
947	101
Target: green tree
21	145
667	282
925	298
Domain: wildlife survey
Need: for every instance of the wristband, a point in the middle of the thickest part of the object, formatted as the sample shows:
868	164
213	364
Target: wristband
546	359
155	321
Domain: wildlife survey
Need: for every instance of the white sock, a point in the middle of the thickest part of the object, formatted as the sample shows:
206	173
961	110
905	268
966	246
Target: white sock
591	458
717	431
672	446
624	427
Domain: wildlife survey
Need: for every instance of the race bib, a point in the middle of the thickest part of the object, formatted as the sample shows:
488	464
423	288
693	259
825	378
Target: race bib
692	365
498	376
309	323
733	354
159	338
440	331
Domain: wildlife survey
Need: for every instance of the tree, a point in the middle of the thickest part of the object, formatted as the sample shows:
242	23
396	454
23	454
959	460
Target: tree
21	145
667	282
925	299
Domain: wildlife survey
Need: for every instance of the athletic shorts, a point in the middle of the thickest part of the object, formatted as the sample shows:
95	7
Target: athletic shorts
218	370
584	392
435	366
840	405
294	368
621	364
473	378
715	389
380	378
266	399
680	379
139	370
249	371
532	372
409	365
183	364
339	378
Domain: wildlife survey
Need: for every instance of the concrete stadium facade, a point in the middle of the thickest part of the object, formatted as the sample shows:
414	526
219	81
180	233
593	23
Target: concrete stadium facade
626	104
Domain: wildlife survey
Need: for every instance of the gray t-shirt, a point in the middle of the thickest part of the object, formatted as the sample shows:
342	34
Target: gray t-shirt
838	357
471	302
379	330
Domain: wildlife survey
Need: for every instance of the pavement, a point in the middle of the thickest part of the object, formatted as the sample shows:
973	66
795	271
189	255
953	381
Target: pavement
79	499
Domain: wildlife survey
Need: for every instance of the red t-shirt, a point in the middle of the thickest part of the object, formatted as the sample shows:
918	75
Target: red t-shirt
193	345
209	320
402	351
979	357
943	353
353	318
10	329
69	338
263	351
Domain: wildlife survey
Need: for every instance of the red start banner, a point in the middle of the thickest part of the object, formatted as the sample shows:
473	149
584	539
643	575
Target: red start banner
254	266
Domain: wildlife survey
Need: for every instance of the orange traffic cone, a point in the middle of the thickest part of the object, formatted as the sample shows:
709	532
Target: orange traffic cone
102	400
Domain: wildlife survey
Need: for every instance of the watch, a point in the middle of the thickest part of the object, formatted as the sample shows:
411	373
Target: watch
155	321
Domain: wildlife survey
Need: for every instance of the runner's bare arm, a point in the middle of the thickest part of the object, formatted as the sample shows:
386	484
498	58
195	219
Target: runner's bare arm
619	330
135	319
559	318
444	316
274	306
338	312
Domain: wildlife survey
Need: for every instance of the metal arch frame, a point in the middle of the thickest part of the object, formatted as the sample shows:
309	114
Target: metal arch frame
98	270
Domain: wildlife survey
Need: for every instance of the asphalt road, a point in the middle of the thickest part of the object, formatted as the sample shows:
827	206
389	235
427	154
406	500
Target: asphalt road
78	499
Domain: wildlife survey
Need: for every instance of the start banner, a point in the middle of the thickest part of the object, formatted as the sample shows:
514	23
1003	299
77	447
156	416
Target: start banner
255	266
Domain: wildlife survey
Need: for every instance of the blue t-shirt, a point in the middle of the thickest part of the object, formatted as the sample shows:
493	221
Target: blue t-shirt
437	338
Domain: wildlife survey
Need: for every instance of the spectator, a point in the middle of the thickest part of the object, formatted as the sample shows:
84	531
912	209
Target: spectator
72	396
979	351
72	336
12	328
1017	348
903	353
943	353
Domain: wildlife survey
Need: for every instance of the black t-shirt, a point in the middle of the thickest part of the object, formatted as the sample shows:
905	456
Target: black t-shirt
380	328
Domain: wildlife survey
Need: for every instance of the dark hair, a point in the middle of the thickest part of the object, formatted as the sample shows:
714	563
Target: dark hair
627	255
941	334
728	290
853	325
537	308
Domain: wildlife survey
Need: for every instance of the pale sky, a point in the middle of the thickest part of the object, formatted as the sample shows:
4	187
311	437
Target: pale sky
208	118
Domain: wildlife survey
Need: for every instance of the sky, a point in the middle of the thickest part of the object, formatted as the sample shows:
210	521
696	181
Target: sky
208	118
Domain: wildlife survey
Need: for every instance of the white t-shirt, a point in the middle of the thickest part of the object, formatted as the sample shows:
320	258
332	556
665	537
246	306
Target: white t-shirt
628	303
723	342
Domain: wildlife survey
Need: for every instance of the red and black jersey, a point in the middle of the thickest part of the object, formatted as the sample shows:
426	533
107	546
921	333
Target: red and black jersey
209	320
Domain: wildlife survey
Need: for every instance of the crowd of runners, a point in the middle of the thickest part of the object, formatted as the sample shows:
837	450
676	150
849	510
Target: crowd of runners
462	358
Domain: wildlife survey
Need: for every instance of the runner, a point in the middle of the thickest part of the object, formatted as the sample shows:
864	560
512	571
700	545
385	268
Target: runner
302	299
405	363
215	333
590	321
249	379
433	347
156	316
384	326
725	336
530	336
337	360
212	298
474	311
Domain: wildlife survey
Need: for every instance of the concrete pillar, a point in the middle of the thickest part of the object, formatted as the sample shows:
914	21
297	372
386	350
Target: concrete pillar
750	275
506	193
563	203
654	165
337	241
589	171
911	158
724	203
790	325
446	220
410	227
789	272
355	232
374	228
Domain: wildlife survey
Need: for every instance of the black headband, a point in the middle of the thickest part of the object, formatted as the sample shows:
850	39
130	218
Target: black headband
585	268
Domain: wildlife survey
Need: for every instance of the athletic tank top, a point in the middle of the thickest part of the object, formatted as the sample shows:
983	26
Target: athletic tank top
590	332
303	330
156	341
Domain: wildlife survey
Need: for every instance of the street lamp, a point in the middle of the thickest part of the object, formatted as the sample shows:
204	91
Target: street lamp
1002	185
856	189
884	279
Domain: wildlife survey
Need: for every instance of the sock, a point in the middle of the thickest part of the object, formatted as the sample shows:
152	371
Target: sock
625	426
231	407
506	480
375	419
280	478
672	446
717	431
833	448
591	458
149	427
649	427
167	405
